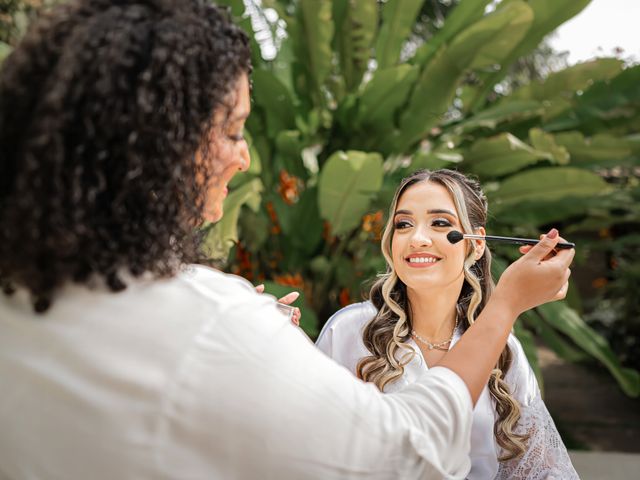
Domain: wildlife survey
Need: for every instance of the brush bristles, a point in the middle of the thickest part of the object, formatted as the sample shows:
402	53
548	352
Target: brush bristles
454	236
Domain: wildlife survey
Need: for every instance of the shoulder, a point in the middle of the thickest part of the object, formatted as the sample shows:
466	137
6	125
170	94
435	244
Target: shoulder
209	281
352	318
341	337
520	376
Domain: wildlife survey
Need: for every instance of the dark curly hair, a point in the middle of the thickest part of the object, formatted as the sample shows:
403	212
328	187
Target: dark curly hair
103	106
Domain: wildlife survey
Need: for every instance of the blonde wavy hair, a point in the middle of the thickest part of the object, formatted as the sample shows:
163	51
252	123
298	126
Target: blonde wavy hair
387	334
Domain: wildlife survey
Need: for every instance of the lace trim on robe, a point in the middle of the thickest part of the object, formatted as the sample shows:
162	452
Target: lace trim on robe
546	456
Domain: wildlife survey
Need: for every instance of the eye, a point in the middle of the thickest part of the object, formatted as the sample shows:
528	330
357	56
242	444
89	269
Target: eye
236	138
402	224
441	222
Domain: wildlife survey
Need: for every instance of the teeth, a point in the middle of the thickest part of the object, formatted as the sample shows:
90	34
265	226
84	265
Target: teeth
423	260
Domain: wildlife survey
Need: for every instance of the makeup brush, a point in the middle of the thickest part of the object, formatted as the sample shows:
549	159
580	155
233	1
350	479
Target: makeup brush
454	237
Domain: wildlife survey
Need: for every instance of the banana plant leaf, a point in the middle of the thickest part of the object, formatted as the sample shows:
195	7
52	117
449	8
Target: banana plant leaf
398	17
274	99
463	15
545	185
224	234
567	82
385	93
490	118
348	181
500	155
5	50
599	151
547	16
355	38
314	33
480	45
569	322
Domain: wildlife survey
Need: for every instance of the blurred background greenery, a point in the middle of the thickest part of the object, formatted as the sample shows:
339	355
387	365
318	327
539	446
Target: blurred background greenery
352	95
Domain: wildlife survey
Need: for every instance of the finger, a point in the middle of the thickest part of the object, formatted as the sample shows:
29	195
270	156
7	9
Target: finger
260	288
289	298
562	293
544	247
565	255
524	249
296	317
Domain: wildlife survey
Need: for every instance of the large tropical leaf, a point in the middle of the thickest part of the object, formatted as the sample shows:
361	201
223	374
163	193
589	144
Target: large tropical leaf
499	155
569	322
546	185
463	15
398	17
569	81
275	100
5	50
530	350
224	234
347	183
495	34
546	142
601	150
548	15
313	33
481	44
610	104
387	90
355	38
490	118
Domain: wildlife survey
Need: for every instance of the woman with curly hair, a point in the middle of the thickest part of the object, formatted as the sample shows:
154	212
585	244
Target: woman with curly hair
121	125
432	292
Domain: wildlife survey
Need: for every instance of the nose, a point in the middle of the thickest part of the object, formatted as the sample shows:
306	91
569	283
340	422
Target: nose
420	238
245	157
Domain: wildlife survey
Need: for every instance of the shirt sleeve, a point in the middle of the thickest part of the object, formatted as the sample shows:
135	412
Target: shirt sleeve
262	398
546	456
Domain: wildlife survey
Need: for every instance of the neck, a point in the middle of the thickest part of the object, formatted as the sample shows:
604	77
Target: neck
433	315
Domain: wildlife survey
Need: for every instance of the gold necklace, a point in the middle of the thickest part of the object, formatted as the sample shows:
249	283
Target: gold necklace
439	345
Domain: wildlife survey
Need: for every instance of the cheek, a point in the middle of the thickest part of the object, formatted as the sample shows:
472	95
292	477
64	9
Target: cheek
396	247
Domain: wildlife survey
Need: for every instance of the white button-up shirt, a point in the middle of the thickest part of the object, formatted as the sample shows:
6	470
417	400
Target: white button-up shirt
199	377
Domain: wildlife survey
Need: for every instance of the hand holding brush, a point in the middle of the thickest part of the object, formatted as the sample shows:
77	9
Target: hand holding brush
455	236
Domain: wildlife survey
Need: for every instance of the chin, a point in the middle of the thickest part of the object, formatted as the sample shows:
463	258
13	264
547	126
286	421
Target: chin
213	215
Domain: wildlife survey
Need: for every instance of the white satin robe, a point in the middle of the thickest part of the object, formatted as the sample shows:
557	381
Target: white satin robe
546	457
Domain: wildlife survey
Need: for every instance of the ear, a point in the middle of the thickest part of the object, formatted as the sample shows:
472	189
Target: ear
479	245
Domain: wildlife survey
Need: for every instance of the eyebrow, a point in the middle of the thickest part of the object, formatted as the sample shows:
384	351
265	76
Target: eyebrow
430	212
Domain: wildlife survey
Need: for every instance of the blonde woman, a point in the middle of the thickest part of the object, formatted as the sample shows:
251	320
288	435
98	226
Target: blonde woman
431	293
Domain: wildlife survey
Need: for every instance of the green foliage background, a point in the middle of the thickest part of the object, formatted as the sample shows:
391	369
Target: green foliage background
350	96
348	103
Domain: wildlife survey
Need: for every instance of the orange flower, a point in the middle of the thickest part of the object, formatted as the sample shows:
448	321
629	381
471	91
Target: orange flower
372	224
271	211
295	281
326	231
289	188
344	297
599	282
243	266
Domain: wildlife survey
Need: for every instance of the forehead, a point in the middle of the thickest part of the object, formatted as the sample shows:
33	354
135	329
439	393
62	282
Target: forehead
237	103
242	95
426	195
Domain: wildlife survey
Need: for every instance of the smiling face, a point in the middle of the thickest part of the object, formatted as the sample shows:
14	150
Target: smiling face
229	150
423	258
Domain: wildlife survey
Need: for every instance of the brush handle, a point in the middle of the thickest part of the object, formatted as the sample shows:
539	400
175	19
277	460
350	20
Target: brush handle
519	241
